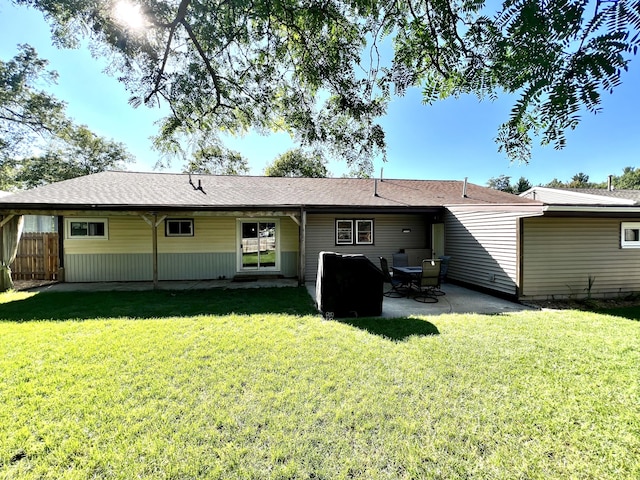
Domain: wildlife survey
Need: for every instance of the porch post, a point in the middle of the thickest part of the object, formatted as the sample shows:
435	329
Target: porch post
154	237
303	246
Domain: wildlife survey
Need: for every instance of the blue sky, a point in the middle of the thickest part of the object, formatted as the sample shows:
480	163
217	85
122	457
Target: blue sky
449	140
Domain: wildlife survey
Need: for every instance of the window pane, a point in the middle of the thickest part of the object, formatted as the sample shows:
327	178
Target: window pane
96	229
344	231
173	228
185	227
632	235
365	231
79	229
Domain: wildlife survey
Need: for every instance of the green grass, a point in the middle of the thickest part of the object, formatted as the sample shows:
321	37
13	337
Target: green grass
289	395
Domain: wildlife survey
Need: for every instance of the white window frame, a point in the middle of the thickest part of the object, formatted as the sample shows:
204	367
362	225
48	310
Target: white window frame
258	220
624	243
354	227
68	230
339	229
357	238
180	220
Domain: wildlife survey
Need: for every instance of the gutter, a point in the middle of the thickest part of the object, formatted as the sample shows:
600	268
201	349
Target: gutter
590	209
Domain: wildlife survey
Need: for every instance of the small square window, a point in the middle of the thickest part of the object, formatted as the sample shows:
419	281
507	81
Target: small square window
179	228
630	235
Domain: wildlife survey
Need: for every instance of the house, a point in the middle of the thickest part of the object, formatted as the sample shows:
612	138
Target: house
585	243
125	226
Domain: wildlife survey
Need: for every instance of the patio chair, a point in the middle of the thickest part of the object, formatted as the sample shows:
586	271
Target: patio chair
400	260
399	286
429	283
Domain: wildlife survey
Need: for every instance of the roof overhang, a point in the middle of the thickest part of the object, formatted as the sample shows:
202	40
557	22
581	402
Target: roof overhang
206	210
591	211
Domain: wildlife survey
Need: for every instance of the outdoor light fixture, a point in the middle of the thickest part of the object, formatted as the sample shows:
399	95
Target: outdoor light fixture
406	230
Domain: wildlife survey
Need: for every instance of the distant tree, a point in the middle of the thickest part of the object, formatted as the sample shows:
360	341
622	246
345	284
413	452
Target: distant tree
77	152
522	186
502	183
555	183
297	163
217	160
580	180
630	179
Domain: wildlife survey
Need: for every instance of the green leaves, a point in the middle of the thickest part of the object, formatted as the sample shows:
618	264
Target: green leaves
297	163
38	143
320	71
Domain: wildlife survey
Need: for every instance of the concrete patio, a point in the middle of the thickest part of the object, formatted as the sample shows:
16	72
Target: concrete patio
456	300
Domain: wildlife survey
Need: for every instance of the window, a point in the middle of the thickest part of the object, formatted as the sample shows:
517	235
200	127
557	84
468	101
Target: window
630	235
179	227
364	232
87	228
345	234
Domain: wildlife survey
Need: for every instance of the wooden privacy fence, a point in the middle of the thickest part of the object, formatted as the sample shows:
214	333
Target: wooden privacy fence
37	257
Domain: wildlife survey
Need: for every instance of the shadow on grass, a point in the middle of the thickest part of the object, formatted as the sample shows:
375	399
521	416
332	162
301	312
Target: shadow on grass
158	304
630	313
393	328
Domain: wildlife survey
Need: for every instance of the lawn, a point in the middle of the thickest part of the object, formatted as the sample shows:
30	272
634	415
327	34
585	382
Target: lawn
108	386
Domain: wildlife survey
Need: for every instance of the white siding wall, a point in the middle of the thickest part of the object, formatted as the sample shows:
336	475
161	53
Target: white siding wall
559	255
483	248
388	237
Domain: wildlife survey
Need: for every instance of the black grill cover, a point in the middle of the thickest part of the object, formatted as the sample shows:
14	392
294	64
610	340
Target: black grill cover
348	286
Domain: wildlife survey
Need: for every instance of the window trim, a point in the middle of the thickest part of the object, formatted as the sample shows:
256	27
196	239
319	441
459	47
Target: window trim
629	226
354	227
357	237
70	220
348	241
167	221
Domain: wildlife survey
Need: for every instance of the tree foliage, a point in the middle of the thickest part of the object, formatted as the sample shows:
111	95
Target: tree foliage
320	70
217	160
630	179
27	113
38	143
503	183
77	152
297	163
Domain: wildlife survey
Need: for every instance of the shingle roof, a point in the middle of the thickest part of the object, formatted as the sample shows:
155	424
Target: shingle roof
129	189
624	194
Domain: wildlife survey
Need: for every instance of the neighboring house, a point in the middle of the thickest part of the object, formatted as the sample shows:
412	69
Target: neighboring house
124	226
586	243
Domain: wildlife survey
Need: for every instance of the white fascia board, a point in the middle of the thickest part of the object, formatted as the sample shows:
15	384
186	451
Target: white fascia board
591	209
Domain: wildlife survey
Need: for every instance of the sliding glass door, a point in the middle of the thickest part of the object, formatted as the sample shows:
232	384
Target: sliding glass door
258	245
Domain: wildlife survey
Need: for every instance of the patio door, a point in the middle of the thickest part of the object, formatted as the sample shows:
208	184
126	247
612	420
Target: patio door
258	249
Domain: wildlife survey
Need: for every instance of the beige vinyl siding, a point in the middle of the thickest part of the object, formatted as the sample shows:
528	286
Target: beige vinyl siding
126	255
483	248
388	237
133	235
559	255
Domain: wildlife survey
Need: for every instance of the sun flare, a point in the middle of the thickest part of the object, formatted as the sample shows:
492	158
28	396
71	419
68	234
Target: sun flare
129	15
